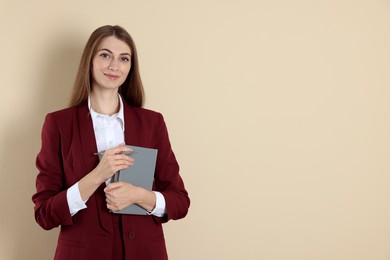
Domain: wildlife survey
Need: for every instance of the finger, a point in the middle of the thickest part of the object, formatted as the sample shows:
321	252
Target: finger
123	157
122	167
115	158
119	165
122	149
110	200
111	203
110	207
108	189
123	164
112	186
118	149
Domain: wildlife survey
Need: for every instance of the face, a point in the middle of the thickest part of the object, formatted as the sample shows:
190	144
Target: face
111	64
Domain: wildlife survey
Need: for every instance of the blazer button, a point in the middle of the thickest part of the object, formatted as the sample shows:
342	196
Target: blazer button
131	235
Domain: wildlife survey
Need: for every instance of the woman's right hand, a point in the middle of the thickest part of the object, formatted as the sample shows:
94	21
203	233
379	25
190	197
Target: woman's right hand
113	160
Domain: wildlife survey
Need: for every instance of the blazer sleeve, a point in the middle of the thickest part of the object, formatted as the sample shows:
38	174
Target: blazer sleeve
51	206
167	177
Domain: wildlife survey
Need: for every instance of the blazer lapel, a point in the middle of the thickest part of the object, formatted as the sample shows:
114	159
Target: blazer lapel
87	136
89	148
131	130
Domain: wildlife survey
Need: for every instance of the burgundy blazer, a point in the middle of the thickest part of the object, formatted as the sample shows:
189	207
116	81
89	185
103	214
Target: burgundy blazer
67	154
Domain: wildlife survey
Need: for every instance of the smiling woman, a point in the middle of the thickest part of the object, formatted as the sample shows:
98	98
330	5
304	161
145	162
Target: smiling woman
131	90
73	186
111	64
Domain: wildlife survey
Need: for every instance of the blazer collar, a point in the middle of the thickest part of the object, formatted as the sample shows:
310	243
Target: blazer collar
119	115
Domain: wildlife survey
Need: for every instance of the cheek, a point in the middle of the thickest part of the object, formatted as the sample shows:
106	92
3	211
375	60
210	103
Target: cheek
96	66
94	71
126	69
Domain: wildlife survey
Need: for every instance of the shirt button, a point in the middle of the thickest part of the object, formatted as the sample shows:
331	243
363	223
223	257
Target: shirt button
131	235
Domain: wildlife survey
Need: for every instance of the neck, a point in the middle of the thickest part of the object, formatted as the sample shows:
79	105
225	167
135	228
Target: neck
106	103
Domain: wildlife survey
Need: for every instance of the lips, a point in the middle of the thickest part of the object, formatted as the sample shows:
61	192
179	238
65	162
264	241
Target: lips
111	76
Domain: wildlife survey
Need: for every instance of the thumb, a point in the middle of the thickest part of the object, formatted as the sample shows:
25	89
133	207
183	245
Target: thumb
112	186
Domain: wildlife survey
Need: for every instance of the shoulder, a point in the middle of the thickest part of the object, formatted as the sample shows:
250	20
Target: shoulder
63	113
66	115
143	113
146	120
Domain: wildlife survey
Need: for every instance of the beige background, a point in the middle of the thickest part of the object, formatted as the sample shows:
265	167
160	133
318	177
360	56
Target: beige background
278	112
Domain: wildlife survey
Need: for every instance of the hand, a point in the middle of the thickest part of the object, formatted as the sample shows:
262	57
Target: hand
120	195
114	160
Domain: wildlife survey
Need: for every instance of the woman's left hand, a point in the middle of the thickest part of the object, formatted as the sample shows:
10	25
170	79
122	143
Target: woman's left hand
120	195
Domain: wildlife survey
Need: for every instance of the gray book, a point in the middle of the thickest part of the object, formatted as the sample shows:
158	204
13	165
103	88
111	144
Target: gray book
141	174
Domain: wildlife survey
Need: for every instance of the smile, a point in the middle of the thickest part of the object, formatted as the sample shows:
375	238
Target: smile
111	77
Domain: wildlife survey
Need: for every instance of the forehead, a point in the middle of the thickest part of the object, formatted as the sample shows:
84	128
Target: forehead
114	44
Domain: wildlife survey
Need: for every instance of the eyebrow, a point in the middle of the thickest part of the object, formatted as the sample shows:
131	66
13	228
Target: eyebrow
104	49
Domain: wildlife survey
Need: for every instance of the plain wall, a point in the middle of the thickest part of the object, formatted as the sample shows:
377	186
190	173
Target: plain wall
278	113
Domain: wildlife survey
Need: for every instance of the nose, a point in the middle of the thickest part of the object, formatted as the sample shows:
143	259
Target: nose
113	65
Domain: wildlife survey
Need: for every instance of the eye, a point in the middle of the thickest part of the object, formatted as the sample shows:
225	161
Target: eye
104	55
125	59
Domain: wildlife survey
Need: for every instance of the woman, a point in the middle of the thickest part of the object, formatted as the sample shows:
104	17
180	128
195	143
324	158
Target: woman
73	188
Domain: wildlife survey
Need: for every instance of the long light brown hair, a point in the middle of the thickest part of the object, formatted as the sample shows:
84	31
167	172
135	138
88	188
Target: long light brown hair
131	90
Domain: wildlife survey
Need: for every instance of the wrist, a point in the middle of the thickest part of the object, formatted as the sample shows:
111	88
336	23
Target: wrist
147	199
97	177
140	194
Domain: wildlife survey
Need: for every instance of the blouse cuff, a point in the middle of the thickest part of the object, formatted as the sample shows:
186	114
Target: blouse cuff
159	210
75	202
